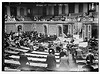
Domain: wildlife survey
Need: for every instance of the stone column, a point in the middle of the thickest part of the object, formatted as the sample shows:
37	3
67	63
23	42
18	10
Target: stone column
52	10
18	11
66	9
8	10
25	11
60	9
85	7
97	8
47	10
76	8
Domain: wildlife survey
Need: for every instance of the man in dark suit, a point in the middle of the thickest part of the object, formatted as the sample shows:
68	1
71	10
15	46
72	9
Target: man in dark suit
23	59
51	61
90	57
88	67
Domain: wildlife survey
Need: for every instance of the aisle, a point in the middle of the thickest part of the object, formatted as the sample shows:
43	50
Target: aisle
72	64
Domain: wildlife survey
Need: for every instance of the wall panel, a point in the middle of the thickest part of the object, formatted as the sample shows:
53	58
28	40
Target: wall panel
52	29
39	28
27	27
10	27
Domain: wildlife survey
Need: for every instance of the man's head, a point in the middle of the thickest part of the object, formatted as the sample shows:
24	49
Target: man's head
21	53
64	54
88	63
90	50
51	51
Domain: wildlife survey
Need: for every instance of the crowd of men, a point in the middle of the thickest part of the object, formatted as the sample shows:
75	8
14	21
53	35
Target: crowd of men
70	17
33	38
26	38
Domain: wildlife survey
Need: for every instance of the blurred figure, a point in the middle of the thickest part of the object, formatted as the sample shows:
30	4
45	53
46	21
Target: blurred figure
72	40
58	49
88	67
51	61
23	60
64	63
68	46
41	48
63	51
90	57
72	63
31	49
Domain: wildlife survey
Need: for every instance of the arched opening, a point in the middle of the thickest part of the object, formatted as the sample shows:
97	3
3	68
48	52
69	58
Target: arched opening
19	28
45	29
65	29
60	30
29	12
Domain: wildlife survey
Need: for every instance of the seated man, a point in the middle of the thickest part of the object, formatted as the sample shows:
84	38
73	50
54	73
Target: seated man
90	57
88	67
40	48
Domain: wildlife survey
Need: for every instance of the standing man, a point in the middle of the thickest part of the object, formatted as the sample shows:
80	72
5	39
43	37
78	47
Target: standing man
23	60
51	61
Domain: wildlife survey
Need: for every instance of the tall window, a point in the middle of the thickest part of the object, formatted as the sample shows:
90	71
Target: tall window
44	10
13	11
29	12
71	7
92	6
80	7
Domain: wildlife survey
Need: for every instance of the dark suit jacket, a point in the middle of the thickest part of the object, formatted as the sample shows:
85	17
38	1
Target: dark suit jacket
23	59
51	61
90	57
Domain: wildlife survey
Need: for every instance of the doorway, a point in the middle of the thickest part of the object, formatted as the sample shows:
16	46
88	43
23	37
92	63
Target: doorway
65	29
45	29
59	31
